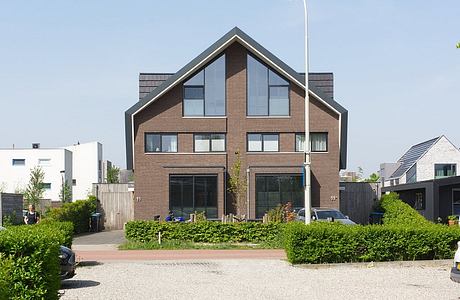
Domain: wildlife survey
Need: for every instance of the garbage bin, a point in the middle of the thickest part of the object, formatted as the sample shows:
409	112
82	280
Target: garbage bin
96	224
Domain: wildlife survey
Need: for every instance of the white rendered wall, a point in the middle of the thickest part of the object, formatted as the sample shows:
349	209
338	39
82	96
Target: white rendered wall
443	152
17	177
86	159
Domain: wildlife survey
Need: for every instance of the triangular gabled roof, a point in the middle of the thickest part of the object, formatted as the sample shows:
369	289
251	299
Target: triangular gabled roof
214	50
413	155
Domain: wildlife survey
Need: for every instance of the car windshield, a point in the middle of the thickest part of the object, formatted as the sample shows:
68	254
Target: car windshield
324	214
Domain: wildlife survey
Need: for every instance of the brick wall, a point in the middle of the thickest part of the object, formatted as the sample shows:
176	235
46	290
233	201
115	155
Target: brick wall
165	115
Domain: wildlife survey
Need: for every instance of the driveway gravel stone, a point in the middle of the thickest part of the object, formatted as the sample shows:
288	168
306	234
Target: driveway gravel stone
258	279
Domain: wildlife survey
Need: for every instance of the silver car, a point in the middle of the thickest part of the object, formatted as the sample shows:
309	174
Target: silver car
325	214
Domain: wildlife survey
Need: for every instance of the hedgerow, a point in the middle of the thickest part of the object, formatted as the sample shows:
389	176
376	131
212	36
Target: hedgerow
205	232
29	261
405	235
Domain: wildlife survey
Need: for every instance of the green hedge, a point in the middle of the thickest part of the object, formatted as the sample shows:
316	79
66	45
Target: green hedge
78	212
29	262
405	235
396	212
205	232
64	229
323	242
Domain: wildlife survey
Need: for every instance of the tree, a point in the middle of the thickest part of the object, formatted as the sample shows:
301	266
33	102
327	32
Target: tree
458	45
35	189
373	178
113	175
237	186
66	192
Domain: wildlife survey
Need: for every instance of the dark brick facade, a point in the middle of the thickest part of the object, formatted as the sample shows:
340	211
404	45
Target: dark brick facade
152	171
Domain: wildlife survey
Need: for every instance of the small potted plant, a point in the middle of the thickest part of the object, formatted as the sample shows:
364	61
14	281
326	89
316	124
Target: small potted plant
452	220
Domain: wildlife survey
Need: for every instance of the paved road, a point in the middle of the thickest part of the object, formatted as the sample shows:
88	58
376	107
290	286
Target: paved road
258	279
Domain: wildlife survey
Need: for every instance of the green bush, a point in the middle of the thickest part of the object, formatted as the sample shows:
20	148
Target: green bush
396	212
324	242
78	212
205	232
65	229
29	262
405	235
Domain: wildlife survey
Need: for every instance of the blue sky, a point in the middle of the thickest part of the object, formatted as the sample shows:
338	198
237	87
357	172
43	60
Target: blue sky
69	69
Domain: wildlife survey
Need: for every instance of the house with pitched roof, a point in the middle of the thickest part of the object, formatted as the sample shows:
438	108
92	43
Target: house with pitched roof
426	178
235	101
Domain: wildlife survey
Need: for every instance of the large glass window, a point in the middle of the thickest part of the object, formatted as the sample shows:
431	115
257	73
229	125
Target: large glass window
318	142
190	193
210	142
273	190
155	142
411	175
204	93
266	142
268	93
445	170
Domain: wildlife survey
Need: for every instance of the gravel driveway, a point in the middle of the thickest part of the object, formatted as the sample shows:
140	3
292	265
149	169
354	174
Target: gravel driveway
258	279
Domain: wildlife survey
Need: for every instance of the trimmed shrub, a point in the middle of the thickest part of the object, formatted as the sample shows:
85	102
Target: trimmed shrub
65	230
205	232
29	262
78	212
405	235
324	242
396	212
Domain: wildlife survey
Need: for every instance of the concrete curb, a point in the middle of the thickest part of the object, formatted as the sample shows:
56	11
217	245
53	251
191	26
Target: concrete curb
442	263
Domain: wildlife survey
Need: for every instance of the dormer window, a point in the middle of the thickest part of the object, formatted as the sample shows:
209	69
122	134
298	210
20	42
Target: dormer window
204	93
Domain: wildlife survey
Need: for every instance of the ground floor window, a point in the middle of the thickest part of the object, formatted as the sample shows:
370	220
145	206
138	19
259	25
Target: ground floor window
275	189
456	202
190	193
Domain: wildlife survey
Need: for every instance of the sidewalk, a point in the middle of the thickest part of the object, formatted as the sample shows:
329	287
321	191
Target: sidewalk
143	255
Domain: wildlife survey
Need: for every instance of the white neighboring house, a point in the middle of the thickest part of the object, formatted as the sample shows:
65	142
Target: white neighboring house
87	168
432	159
79	165
15	165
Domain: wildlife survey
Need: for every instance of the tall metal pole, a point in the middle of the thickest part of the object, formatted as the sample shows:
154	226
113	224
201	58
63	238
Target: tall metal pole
307	160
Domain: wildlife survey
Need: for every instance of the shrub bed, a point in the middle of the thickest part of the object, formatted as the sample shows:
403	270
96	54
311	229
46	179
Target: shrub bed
78	212
29	261
405	235
206	232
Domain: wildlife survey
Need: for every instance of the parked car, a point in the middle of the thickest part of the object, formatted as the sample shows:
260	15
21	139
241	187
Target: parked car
67	261
325	214
455	271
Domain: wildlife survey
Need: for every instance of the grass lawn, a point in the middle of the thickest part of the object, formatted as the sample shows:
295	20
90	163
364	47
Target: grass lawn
174	245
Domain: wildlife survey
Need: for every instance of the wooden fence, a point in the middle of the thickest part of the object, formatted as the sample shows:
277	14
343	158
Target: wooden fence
116	204
357	200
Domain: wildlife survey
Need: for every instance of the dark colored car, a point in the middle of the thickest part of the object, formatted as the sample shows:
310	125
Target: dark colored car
67	261
68	264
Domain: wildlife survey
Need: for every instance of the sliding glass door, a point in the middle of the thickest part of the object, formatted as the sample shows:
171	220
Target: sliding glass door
190	193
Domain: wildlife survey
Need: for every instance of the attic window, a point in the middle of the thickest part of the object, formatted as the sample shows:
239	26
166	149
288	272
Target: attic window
204	93
268	92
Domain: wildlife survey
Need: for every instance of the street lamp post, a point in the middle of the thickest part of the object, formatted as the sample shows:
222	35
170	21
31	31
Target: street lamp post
307	160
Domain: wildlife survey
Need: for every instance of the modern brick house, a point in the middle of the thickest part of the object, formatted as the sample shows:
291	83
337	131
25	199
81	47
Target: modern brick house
183	135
